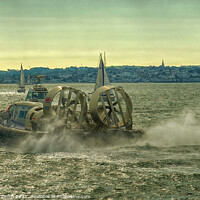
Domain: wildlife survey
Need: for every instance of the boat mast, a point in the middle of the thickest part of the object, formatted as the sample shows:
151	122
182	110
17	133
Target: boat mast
103	82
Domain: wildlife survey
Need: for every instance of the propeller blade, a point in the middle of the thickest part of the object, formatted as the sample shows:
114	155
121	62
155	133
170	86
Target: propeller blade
104	108
117	111
115	103
112	108
120	107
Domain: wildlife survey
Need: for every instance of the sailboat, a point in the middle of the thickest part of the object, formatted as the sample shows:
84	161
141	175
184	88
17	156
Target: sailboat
21	85
102	77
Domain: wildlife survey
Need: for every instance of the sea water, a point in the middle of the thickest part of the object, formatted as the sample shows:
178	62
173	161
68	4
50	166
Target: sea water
165	164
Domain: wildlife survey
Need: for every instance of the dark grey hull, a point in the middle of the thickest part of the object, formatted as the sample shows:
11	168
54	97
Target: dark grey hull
9	135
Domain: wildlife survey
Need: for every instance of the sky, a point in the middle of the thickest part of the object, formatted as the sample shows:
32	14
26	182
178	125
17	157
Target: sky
62	33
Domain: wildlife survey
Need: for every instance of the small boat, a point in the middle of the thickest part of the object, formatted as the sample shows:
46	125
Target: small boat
67	108
21	85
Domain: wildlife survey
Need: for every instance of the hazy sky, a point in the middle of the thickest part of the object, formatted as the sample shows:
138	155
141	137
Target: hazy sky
60	33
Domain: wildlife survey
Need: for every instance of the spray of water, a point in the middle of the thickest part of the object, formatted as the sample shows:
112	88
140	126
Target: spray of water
184	130
53	140
70	140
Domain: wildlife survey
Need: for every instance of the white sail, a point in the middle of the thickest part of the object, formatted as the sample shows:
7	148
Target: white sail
102	77
21	87
22	79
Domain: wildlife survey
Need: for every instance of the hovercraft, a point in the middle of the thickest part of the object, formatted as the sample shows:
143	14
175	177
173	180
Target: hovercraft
67	108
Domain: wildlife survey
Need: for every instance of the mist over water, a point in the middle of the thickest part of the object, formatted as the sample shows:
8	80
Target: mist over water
50	142
164	164
67	140
184	130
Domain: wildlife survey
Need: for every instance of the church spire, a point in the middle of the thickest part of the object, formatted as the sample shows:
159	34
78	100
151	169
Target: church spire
163	65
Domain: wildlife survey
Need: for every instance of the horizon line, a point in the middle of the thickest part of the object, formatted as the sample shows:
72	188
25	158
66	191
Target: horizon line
97	66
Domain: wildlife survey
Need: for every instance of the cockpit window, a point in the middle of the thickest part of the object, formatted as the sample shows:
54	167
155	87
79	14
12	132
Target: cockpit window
22	114
35	95
41	95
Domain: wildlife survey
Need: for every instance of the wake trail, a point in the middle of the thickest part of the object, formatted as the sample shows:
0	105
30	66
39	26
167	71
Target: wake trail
184	130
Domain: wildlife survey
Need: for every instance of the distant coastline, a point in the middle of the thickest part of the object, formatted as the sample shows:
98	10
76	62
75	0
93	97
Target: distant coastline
116	74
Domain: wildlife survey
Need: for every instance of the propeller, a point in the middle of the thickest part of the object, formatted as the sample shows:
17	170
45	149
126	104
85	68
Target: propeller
68	105
111	107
